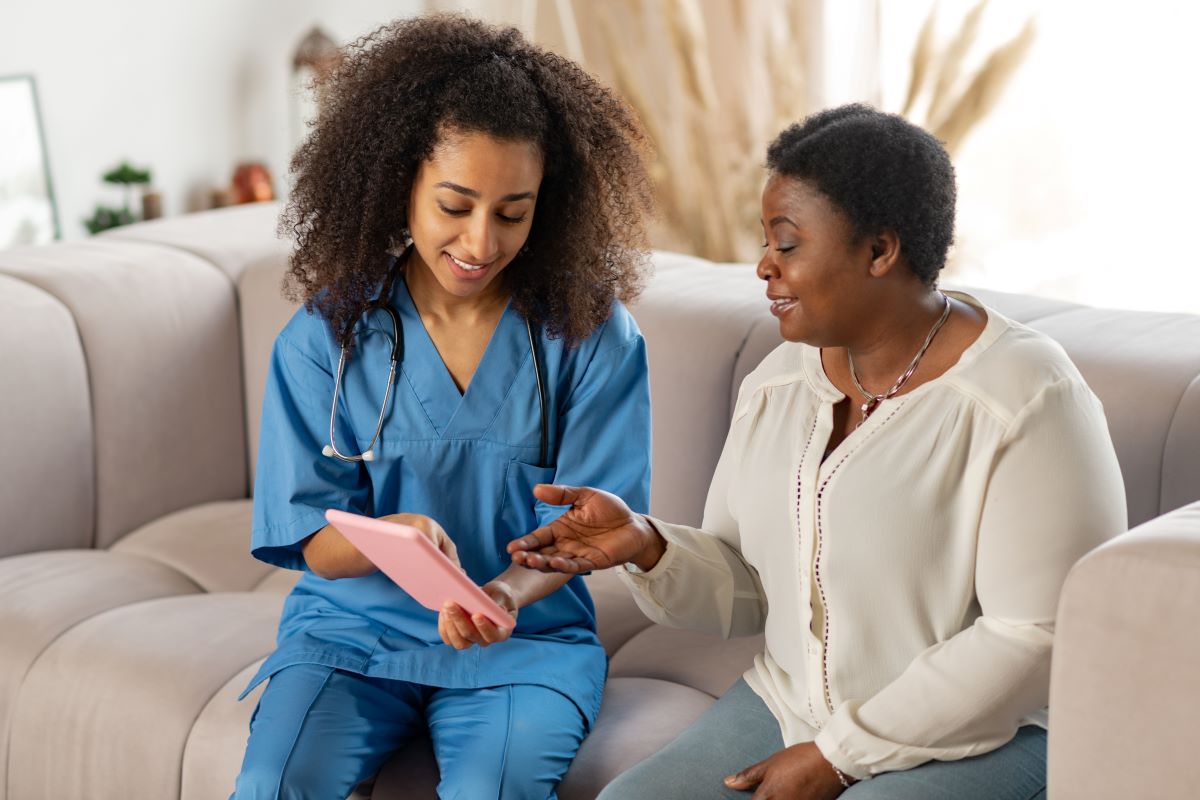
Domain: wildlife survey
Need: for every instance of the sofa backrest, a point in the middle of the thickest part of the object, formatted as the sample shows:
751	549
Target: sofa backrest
45	416
133	364
131	406
1145	368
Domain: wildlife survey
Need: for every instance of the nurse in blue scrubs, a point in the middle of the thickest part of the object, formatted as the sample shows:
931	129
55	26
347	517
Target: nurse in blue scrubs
474	205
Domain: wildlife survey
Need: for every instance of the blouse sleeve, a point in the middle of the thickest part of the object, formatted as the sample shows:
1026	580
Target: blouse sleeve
702	582
294	483
1055	493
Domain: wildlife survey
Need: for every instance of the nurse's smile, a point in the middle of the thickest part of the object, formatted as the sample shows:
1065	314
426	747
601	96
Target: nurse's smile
465	270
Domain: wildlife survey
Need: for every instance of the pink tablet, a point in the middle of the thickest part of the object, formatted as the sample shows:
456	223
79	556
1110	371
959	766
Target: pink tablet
407	556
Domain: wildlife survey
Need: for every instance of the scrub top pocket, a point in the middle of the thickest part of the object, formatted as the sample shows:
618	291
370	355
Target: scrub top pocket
520	512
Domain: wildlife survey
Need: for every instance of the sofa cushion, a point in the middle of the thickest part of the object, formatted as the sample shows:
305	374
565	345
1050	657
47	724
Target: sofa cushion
279	581
216	744
46	412
263	312
618	619
696	317
1181	459
208	543
108	708
44	596
1126	664
701	661
638	717
159	330
228	238
1140	366
1024	308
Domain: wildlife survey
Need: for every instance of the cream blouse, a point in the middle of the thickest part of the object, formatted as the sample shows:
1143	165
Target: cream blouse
907	585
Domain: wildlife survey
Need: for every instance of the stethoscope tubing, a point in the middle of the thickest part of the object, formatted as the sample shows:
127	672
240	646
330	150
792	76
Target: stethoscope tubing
331	450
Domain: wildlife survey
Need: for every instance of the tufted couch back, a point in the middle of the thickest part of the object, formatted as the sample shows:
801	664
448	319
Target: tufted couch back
134	363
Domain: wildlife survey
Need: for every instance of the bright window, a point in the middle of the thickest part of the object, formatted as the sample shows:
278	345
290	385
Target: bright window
1082	183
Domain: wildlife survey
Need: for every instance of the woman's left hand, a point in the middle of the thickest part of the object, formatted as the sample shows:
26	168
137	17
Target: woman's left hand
799	771
460	630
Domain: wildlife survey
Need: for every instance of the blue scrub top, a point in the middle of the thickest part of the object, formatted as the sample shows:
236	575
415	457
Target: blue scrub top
468	460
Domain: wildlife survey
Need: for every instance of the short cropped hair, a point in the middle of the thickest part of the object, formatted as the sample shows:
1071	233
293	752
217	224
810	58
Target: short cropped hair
882	172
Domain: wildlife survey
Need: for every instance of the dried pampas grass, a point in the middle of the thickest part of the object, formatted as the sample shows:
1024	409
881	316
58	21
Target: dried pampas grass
667	59
672	61
984	90
952	112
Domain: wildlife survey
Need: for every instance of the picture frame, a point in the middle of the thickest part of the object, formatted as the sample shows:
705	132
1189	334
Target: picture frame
28	211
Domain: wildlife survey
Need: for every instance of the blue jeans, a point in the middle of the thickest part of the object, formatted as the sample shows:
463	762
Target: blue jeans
739	731
318	732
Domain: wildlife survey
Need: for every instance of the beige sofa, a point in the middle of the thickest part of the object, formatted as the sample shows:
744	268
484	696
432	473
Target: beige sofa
131	614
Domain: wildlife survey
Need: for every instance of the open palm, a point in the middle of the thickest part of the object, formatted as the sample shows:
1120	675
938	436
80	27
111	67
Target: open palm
598	531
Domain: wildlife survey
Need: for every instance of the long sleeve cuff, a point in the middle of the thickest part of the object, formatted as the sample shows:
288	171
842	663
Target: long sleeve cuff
644	578
837	742
699	583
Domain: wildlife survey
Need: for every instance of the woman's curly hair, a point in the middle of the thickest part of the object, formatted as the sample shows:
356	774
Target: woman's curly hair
882	171
396	92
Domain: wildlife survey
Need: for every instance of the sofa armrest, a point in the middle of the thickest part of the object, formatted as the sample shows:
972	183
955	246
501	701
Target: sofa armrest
1125	680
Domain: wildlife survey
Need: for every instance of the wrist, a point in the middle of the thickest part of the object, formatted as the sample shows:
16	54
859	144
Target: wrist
504	594
653	549
522	586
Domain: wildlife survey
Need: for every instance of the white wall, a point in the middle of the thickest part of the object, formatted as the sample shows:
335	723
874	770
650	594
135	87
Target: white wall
186	88
1081	182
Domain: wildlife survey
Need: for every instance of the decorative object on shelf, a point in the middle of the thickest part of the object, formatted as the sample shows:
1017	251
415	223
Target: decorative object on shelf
126	176
220	197
152	205
28	214
252	183
315	58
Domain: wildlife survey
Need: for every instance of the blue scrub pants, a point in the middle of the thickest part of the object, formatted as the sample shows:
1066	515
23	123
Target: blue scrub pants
739	730
319	731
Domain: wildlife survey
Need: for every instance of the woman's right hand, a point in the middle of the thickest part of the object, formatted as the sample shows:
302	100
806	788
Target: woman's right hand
598	531
432	530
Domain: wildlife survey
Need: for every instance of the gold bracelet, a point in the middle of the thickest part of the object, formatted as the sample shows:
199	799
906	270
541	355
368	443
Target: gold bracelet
841	776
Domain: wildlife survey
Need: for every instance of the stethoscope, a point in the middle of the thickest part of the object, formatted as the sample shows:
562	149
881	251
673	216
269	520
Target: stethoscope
331	450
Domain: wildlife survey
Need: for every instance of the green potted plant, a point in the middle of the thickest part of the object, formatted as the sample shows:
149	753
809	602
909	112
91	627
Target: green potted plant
126	176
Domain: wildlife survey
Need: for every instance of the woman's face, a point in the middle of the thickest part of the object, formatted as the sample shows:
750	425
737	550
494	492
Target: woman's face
812	264
471	209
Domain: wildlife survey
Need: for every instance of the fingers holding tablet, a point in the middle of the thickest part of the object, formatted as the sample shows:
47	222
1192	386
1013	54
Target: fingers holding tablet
461	630
432	530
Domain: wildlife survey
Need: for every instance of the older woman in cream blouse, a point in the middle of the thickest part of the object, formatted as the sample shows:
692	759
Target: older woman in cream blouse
906	481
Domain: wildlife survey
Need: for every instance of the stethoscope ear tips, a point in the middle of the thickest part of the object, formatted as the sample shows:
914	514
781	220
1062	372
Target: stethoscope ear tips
369	455
327	451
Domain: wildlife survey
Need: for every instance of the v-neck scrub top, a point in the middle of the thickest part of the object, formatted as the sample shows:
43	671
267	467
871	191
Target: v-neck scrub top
907	584
468	461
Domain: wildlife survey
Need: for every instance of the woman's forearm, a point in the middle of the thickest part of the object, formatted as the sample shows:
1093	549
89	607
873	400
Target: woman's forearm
527	586
330	555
